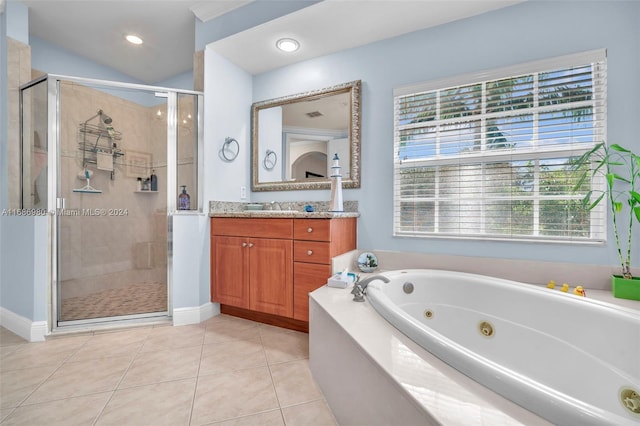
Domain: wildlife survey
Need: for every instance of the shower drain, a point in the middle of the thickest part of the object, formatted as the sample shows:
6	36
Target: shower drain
630	399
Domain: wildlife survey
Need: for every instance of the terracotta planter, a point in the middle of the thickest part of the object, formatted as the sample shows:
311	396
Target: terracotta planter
625	289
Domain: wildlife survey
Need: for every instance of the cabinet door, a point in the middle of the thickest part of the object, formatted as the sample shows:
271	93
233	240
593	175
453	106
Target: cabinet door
307	277
229	271
271	276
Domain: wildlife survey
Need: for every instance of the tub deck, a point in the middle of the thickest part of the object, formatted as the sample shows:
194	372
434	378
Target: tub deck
371	373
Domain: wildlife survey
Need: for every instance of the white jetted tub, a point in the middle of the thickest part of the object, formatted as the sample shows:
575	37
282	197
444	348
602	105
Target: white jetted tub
571	360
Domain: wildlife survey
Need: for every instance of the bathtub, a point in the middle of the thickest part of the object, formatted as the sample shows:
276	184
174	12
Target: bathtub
570	360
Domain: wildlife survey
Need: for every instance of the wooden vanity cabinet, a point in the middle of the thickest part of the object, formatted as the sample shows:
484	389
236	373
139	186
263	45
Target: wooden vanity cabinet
251	264
316	241
269	265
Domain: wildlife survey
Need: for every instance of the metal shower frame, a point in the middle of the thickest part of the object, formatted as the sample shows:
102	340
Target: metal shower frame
53	179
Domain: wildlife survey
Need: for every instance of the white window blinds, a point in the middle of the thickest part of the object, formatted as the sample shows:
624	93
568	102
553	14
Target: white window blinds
490	155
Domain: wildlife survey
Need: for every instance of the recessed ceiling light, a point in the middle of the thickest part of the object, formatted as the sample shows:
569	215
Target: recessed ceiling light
133	39
287	44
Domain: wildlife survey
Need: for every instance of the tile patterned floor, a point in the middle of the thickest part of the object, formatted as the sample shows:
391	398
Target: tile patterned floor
135	298
225	371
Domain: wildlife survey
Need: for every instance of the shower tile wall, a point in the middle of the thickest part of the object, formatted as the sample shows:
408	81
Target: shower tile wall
102	253
18	73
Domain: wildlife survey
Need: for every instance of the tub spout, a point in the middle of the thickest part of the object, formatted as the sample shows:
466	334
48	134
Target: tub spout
360	288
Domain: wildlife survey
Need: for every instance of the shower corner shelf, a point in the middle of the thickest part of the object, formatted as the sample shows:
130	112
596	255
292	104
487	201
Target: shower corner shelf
146	192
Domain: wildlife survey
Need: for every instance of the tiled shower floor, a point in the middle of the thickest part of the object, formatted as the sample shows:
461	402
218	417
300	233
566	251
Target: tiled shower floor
135	298
225	371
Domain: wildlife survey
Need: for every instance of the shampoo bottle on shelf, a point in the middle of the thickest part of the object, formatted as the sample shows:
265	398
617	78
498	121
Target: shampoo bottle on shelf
154	181
184	200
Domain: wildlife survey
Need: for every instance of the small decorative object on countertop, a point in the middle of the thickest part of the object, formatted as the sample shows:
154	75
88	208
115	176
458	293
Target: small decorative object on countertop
309	208
336	186
367	262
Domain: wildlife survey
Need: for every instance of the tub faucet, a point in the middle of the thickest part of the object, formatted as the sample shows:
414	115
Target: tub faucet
360	287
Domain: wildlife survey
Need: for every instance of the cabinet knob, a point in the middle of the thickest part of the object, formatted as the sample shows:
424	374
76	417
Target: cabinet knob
309	252
244	244
250	245
309	229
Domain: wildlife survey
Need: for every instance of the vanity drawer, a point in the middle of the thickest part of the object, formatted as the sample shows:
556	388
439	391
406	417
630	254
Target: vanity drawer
312	229
257	228
311	252
306	278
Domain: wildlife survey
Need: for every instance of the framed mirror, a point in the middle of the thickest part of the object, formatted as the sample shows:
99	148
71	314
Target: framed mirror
294	139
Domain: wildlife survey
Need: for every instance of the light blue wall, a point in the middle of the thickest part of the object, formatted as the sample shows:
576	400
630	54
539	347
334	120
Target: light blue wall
53	59
517	34
245	17
18	25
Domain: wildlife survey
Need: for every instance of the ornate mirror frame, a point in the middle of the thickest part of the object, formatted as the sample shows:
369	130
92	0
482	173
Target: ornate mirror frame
354	89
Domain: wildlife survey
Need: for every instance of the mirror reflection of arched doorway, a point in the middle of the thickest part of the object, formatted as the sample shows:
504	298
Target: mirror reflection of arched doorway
310	165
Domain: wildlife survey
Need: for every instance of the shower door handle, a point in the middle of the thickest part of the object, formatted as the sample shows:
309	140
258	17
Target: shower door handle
61	203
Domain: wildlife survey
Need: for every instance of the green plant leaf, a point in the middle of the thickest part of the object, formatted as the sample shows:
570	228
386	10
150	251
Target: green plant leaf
636	211
618	148
635	196
610	179
578	184
617	206
586	201
618	177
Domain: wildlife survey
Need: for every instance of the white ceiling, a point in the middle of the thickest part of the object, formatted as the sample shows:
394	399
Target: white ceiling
334	25
95	29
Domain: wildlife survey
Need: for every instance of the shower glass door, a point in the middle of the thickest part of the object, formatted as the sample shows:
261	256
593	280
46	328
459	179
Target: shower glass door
112	202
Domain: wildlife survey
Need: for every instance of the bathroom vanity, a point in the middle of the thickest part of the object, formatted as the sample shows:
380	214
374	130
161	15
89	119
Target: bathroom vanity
263	264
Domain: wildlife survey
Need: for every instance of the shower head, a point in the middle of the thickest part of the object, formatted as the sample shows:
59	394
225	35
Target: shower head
105	118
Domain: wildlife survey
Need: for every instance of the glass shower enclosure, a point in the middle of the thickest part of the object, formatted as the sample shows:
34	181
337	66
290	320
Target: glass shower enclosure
105	160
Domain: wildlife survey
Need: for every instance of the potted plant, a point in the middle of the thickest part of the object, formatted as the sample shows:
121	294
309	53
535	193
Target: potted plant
621	168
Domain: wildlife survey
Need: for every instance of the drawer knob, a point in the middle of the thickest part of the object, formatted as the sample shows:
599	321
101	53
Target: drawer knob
309	229
309	252
244	244
250	245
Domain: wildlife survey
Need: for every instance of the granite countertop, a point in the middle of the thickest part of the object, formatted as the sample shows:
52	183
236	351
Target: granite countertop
290	210
283	214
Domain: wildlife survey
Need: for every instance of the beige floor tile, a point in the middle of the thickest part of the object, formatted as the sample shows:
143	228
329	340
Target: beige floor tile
234	394
166	403
107	345
315	413
232	355
8	338
16	385
225	328
79	411
173	338
294	383
162	366
282	345
41	354
269	418
81	378
4	412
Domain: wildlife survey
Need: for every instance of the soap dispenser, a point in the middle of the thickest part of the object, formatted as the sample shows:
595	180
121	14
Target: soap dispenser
184	200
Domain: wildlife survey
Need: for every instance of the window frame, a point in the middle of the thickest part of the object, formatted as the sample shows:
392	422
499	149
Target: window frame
482	157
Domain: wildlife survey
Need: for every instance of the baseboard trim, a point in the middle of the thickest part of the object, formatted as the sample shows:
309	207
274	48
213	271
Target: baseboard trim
33	331
196	314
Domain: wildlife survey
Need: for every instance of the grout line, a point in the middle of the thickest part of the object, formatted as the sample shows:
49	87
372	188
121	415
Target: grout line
113	392
195	388
275	391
